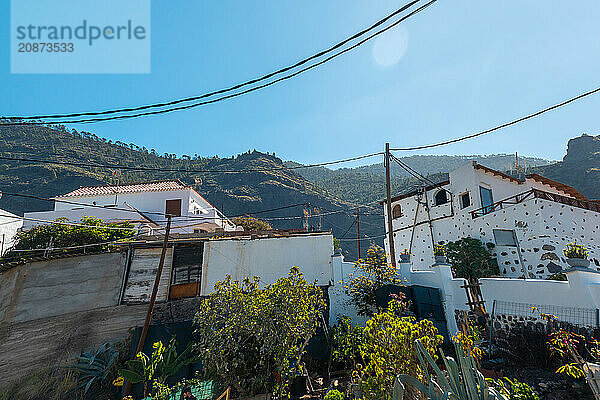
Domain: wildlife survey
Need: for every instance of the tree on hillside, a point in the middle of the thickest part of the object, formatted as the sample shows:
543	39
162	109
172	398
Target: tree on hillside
252	224
470	259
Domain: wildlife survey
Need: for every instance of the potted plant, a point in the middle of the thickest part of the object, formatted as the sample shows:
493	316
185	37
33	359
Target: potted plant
405	256
439	252
577	255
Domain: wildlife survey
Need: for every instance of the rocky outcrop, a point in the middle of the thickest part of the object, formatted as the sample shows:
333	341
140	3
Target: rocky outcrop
580	167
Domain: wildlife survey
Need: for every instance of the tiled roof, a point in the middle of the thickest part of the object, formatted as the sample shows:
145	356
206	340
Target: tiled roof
557	185
155	186
497	173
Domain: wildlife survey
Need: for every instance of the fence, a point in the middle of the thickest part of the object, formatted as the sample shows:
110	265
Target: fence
588	317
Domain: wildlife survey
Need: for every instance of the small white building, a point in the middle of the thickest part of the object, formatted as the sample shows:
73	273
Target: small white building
525	222
144	204
9	226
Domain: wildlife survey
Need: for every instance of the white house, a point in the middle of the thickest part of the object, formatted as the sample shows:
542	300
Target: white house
525	222
9	226
145	204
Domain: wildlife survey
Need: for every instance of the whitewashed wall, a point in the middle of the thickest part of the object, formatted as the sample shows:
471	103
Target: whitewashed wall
9	226
543	227
154	202
268	258
453	296
340	304
575	300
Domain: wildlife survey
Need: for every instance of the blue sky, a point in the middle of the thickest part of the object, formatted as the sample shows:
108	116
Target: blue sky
465	66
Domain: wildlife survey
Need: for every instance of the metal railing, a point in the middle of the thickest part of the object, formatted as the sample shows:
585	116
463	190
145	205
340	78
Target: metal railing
535	194
585	317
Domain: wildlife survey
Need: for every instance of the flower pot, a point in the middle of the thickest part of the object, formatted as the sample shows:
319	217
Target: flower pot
440	259
404	257
578	262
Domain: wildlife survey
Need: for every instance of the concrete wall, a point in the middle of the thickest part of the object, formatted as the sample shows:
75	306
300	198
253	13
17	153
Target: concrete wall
26	347
48	288
269	258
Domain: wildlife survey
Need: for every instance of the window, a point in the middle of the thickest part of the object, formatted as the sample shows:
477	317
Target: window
397	211
186	274
441	197
505	237
465	200
173	207
486	199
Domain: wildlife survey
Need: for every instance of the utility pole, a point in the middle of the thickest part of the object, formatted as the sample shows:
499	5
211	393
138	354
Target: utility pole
388	193
358	231
161	264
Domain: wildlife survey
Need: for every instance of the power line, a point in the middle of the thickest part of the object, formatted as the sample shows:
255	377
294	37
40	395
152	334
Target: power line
507	124
64	223
235	87
271	209
91	120
365	238
416	174
348	230
75	247
151	169
181	218
132	210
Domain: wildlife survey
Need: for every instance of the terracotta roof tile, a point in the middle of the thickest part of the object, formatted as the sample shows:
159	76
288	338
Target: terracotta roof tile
100	190
557	185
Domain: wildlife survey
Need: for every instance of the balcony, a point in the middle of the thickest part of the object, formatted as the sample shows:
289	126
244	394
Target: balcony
536	194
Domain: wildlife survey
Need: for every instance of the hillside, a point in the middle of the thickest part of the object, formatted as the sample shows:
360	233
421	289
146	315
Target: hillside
367	183
234	194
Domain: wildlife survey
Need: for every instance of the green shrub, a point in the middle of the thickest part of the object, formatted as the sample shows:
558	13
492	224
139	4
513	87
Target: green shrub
157	367
513	389
252	338
388	350
470	259
369	275
334	394
252	224
59	234
346	339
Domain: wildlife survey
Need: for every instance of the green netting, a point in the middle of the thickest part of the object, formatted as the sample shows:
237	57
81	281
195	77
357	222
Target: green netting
202	391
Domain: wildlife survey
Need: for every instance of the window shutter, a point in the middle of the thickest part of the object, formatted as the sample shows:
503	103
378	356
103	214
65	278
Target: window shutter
173	207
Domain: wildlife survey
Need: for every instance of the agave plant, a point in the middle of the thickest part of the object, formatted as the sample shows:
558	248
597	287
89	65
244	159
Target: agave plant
161	364
93	366
461	381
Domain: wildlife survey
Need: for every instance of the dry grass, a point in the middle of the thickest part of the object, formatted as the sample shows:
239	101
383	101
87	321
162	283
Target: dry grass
48	384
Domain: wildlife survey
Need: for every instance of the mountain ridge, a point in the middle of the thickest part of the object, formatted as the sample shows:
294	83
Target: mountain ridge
335	192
